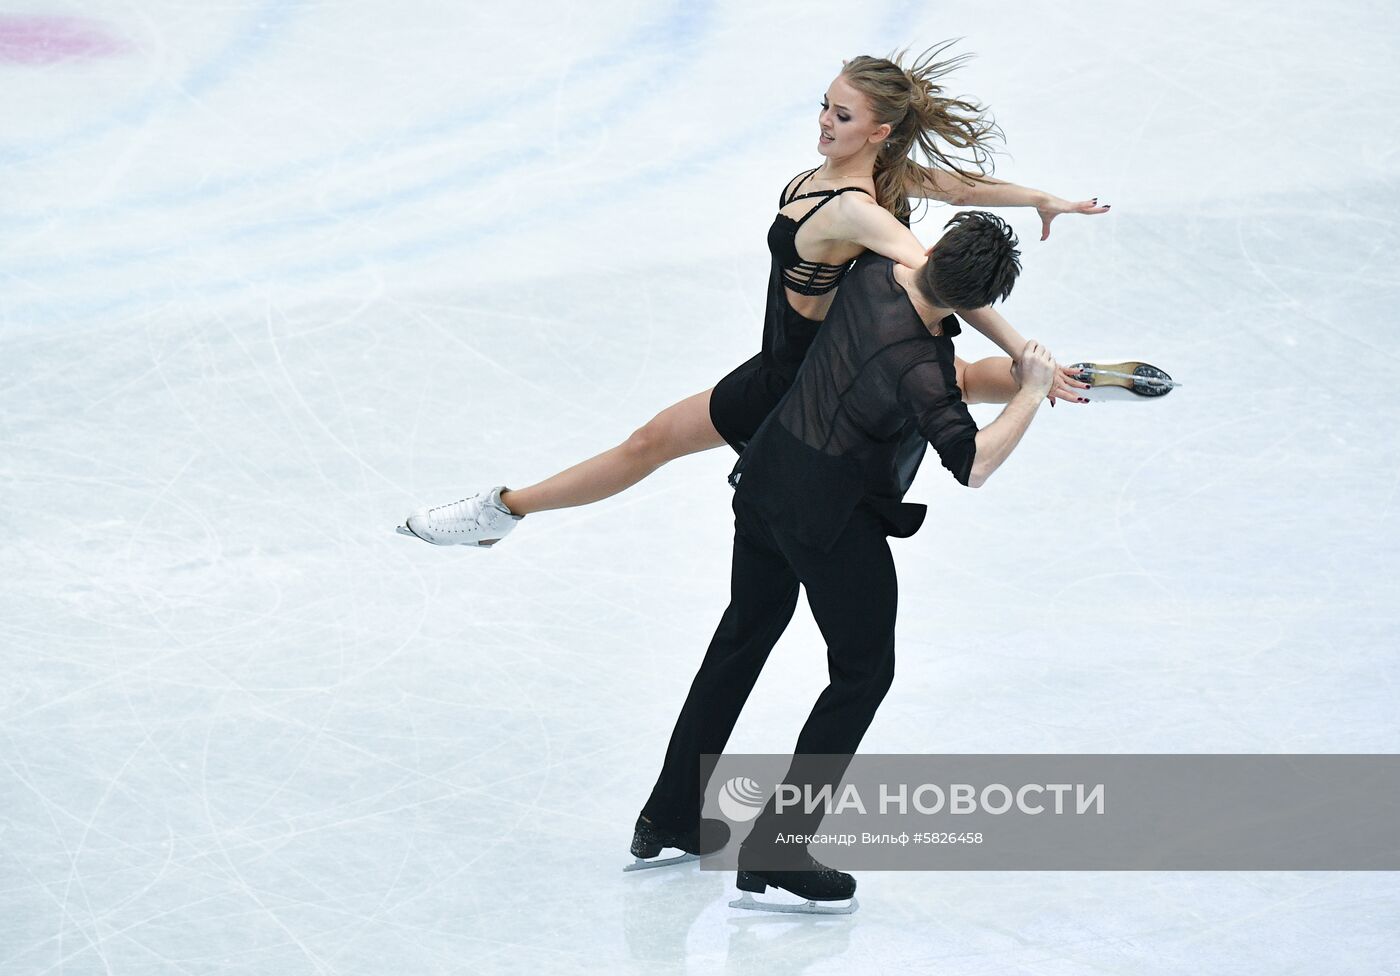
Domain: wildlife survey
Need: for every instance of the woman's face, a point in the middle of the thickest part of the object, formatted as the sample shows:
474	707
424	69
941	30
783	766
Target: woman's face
846	121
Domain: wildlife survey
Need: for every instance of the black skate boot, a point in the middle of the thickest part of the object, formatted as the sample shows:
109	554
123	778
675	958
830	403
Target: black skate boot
708	837
815	882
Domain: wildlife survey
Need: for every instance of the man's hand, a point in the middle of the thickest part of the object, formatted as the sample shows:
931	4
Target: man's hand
1066	385
1035	369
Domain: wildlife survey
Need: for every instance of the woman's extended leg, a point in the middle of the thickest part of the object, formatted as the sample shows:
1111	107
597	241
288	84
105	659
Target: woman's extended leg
487	517
682	428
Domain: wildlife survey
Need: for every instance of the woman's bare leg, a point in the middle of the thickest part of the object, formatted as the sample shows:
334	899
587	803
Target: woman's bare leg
682	428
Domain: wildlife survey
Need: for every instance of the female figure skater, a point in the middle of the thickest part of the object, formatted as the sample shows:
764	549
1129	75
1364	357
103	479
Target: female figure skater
876	115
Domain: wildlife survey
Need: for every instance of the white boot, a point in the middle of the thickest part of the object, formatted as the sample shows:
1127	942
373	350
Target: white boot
481	520
1131	380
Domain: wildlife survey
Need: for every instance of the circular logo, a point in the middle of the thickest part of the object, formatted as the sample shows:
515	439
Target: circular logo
740	799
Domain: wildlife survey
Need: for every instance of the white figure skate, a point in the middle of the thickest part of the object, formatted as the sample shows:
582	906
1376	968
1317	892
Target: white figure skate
1129	380
481	520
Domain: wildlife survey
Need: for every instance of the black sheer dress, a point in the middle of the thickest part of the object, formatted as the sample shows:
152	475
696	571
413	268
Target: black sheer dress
741	401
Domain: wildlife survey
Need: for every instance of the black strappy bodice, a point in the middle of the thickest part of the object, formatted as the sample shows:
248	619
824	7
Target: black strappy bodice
804	277
741	401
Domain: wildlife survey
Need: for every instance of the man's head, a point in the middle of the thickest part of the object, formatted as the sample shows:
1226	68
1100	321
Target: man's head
974	263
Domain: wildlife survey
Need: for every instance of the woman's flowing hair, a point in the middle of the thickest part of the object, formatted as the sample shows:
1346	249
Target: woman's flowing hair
929	131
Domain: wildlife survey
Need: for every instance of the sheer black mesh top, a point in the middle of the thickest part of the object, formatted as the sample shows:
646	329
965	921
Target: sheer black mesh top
804	277
876	387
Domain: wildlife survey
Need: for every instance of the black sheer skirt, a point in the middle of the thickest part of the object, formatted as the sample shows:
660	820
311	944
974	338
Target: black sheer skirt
747	395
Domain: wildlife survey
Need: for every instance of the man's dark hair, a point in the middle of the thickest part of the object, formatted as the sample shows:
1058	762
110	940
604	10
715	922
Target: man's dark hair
974	263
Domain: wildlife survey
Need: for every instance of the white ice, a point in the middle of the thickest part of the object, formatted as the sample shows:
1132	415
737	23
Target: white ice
274	273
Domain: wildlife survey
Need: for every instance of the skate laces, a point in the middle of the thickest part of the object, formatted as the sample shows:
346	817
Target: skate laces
458	511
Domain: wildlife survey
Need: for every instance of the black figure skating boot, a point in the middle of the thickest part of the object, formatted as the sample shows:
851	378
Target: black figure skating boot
709	837
1130	380
818	884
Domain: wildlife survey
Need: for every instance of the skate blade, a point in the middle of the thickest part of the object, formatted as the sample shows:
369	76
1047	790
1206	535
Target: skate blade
660	862
751	904
1126	381
483	544
1117	394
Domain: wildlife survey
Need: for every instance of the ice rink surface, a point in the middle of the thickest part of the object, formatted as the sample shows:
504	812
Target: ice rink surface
276	273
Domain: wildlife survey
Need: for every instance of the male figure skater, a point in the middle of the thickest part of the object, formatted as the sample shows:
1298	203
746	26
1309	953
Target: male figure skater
818	489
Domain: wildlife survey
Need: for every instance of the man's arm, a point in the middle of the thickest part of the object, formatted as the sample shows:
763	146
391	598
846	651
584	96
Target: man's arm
994	326
969	454
997	440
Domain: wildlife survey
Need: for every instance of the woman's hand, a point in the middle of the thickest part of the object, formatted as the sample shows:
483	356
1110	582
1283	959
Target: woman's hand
1065	385
1052	207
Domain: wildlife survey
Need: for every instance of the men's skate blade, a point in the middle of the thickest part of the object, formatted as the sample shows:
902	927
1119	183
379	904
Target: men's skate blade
751	904
660	862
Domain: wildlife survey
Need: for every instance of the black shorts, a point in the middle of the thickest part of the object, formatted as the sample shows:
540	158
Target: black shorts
744	399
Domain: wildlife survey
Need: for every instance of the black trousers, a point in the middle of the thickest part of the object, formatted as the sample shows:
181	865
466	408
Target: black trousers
852	592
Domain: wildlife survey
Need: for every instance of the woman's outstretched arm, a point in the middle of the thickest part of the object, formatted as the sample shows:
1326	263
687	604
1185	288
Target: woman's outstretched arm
987	192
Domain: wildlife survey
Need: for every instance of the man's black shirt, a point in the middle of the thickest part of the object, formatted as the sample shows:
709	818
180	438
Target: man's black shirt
875	388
